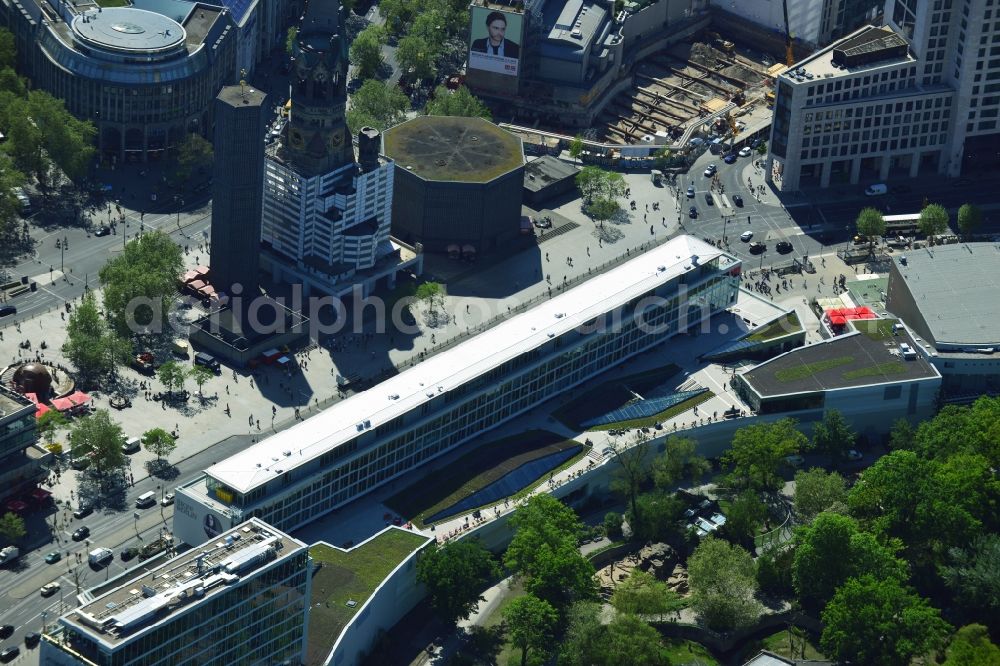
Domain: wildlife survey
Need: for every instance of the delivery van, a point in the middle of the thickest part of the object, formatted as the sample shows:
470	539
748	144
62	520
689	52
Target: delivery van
100	556
145	499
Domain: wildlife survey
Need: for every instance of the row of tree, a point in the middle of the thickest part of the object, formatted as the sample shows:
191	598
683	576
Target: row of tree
934	221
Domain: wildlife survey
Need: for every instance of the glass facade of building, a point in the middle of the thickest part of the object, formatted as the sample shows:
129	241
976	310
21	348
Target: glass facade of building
353	468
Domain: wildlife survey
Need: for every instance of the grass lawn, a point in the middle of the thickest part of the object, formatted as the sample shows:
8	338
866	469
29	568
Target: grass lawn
350	575
658	418
473	472
611	395
876	329
778	644
689	653
887	368
777	328
810	369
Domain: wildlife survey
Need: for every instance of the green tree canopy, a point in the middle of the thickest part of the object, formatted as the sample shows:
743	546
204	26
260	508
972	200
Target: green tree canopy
971	646
873	621
377	105
101	438
8	49
833	435
642	594
625	641
973	575
417	56
530	623
545	554
744	518
12	527
658	517
194	160
159	442
172	375
366	50
870	223
969	219
91	346
679	458
759	450
723	585
141	282
631	471
50	423
460	102
933	221
199	374
10	207
817	490
833	549
601	191
455	575
955	429
576	147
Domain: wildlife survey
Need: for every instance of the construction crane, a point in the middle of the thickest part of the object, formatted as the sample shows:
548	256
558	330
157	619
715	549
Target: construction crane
789	54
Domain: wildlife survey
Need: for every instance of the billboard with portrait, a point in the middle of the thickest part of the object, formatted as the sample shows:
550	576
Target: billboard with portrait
194	523
495	41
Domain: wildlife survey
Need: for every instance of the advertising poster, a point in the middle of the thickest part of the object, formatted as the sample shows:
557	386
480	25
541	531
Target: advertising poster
495	44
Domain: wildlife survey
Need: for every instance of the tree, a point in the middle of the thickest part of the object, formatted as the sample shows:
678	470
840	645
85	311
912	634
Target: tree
870	224
199	375
817	490
872	621
658	518
101	439
762	148
49	423
902	435
601	190
160	442
8	49
91	345
194	159
631	471
625	641
377	105
744	518
933	221
460	102
366	50
10	207
758	451
679	459
973	575
833	549
141	282
613	525
172	375
530	623
576	147
833	435
969	219
642	594
12	527
723	585
774	571
455	574
544	552
971	646
416	56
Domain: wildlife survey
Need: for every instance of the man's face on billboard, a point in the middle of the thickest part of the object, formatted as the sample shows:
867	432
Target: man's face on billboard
498	29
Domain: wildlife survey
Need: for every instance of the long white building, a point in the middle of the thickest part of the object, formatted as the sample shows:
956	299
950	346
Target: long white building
356	445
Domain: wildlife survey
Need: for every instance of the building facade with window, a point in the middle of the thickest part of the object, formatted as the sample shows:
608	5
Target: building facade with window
22	461
243	598
445	401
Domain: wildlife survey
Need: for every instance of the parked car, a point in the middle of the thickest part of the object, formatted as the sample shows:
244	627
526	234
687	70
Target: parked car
128	554
83	512
745	151
81	533
53	557
783	247
9	653
543	222
746	236
50	588
738	200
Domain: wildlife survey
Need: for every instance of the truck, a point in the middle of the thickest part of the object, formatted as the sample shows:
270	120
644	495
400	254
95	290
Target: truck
9	554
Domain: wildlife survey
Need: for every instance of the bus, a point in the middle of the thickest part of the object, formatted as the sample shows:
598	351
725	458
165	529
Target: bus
902	225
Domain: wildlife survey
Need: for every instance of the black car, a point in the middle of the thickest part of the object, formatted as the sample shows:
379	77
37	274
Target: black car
708	198
128	554
83	512
783	247
738	200
32	638
9	653
7	310
103	231
81	533
757	247
693	212
6	631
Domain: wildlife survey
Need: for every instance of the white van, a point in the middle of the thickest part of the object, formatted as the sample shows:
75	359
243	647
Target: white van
100	556
876	190
145	499
131	445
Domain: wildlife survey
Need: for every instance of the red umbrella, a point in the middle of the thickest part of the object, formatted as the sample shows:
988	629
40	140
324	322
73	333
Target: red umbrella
63	404
79	398
33	397
40	409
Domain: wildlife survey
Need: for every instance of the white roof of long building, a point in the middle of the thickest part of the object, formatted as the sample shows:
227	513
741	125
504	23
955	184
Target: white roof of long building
454	367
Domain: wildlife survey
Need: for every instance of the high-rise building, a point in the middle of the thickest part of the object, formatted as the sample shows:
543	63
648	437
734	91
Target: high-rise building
240	598
326	218
236	190
915	96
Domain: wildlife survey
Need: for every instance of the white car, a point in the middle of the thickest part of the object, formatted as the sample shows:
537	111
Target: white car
167	500
710	171
746	236
854	455
690	191
50	588
745	151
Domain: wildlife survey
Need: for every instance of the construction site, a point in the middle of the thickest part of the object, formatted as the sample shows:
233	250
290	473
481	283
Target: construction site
679	90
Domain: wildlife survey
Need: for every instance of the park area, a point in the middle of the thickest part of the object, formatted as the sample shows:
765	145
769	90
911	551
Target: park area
507	466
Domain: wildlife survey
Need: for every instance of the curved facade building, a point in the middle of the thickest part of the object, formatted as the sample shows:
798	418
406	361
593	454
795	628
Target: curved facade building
145	77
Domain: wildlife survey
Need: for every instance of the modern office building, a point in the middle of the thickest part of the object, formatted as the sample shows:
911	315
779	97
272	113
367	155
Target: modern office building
326	213
458	183
453	397
21	460
237	183
912	97
949	298
146	78
241	598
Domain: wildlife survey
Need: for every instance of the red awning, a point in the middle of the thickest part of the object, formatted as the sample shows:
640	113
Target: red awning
862	312
837	320
40	409
17	506
197	285
40	495
63	404
79	398
201	270
190	275
33	397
